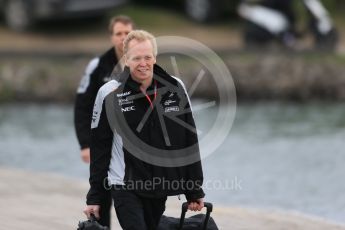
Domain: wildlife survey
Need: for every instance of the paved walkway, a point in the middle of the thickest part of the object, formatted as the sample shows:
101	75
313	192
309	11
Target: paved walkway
38	201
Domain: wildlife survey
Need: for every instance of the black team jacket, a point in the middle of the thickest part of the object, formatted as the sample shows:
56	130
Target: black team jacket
136	138
97	73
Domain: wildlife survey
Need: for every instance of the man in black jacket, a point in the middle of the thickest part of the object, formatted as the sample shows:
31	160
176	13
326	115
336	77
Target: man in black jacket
97	73
143	140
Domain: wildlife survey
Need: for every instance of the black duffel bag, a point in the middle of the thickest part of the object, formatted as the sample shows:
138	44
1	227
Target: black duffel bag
196	222
91	224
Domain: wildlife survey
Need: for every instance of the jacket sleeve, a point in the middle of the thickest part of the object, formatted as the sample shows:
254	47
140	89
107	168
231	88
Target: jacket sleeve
194	170
84	101
101	143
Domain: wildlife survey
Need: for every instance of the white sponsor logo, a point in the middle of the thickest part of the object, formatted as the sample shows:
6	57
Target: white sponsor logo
124	94
168	102
125	101
127	109
94	116
172	109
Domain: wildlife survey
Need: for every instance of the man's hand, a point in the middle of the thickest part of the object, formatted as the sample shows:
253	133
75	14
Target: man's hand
92	209
85	155
196	205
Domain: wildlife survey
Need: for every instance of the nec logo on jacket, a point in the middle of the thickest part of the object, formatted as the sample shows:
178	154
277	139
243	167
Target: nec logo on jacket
128	109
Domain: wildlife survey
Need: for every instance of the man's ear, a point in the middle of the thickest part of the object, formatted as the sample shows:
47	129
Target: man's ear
154	60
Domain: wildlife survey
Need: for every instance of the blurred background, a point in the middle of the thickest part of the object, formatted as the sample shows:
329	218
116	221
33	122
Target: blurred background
287	60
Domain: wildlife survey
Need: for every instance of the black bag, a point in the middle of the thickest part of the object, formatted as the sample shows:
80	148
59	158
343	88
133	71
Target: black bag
91	224
196	222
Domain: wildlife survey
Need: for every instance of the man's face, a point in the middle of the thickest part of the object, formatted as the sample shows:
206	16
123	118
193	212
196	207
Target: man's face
120	32
140	60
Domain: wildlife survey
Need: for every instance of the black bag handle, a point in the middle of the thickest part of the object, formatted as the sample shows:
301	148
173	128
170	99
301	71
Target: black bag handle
209	208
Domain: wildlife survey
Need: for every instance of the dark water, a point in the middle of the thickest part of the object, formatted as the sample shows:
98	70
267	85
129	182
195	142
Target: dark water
277	156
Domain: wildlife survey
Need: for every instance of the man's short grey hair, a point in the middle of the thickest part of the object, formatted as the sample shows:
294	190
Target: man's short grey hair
140	36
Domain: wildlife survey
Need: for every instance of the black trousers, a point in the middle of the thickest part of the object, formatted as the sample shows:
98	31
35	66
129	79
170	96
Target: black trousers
105	210
135	212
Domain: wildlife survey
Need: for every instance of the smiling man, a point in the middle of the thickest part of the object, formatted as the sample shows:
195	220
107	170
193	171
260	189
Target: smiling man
142	125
